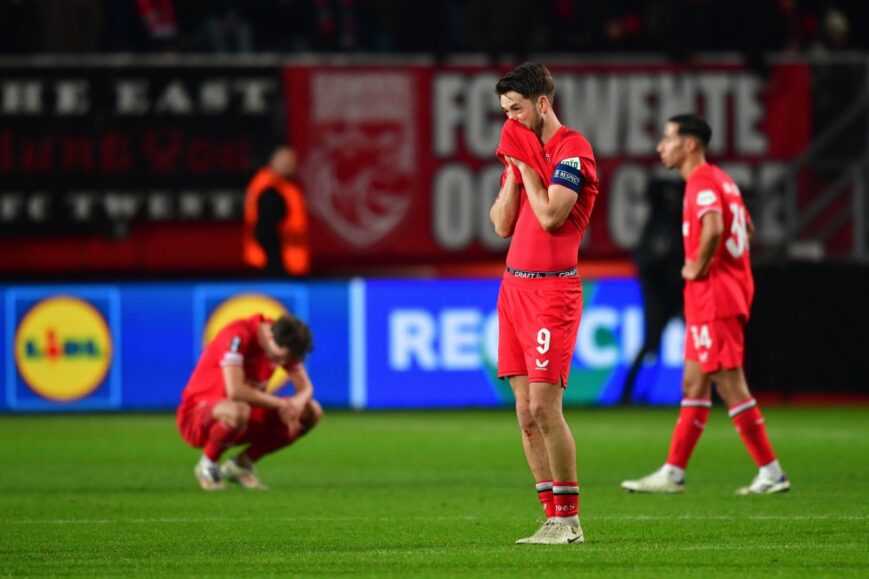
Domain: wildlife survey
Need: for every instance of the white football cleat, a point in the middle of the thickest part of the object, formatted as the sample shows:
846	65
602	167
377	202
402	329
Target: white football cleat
242	473
537	535
762	485
657	482
560	534
208	476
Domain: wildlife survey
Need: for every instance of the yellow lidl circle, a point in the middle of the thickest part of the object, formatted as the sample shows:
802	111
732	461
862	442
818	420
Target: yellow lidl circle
63	348
244	306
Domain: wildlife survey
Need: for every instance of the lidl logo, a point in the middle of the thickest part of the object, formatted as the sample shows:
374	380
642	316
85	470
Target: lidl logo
244	306
63	348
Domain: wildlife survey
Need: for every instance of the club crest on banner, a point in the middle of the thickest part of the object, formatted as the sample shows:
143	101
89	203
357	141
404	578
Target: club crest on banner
360	162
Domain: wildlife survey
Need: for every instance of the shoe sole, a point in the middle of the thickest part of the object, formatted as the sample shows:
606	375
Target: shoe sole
774	490
249	487
653	492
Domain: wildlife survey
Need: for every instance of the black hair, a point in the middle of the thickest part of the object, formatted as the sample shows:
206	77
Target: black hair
530	79
694	126
292	333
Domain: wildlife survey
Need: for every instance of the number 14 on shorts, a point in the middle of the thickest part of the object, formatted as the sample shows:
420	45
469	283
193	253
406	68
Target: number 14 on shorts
701	337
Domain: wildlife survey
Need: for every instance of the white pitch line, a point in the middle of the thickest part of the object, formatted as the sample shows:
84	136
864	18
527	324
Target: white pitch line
197	520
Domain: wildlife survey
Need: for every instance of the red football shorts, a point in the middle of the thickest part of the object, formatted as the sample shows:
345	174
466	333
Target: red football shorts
537	324
195	420
717	344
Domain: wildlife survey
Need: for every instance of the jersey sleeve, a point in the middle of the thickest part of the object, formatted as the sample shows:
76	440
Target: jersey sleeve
703	197
574	166
233	345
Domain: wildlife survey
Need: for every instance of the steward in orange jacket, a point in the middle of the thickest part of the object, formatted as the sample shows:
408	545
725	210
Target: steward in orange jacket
275	237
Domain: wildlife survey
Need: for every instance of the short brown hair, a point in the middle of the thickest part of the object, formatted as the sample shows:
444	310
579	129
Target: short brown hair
292	333
529	79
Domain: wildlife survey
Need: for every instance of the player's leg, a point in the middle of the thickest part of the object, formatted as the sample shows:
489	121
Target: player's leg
224	423
547	411
512	367
267	434
749	423
693	414
534	449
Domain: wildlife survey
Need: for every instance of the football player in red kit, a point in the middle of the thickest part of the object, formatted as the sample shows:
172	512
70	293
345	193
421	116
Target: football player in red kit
719	288
226	404
547	195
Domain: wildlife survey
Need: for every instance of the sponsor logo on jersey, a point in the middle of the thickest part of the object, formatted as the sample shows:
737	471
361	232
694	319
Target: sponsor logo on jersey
571	162
541	364
63	348
706	197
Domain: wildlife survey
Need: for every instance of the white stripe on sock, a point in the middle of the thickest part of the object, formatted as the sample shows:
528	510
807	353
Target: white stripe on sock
742	407
696	402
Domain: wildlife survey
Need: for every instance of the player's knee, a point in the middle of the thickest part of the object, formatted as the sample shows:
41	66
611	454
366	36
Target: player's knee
523	410
239	415
313	414
544	414
524	415
692	388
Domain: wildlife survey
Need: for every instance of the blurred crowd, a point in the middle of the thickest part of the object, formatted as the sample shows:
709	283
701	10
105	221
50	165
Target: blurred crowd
499	29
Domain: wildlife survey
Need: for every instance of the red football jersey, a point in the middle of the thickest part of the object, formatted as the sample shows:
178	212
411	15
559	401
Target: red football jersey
572	165
235	345
728	289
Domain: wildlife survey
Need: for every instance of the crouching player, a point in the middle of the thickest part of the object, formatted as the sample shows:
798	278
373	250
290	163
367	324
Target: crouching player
225	403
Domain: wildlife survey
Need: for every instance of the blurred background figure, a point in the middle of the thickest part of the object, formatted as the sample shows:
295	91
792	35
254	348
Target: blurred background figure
275	239
659	258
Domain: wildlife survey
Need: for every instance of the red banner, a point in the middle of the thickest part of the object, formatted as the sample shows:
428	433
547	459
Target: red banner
399	163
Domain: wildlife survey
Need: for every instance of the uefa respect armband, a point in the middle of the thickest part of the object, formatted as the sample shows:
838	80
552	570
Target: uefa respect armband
567	173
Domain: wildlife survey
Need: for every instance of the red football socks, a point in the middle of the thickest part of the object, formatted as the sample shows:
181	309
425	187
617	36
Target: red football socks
220	437
689	427
566	496
544	493
749	424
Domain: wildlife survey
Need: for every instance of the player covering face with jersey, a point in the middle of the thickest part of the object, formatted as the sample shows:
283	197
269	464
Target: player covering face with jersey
545	202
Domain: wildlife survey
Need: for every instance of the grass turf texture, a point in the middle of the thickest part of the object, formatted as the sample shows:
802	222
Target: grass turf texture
429	494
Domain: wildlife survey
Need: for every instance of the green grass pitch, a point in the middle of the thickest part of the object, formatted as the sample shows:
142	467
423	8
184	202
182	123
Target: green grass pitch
429	494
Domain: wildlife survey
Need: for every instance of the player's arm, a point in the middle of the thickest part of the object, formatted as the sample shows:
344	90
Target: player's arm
239	390
551	206
711	230
295	405
304	387
505	210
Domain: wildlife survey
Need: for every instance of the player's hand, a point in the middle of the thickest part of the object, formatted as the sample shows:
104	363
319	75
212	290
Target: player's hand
529	175
289	411
519	164
690	271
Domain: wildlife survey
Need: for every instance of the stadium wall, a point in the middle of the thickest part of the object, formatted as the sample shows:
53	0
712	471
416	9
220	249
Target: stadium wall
137	164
